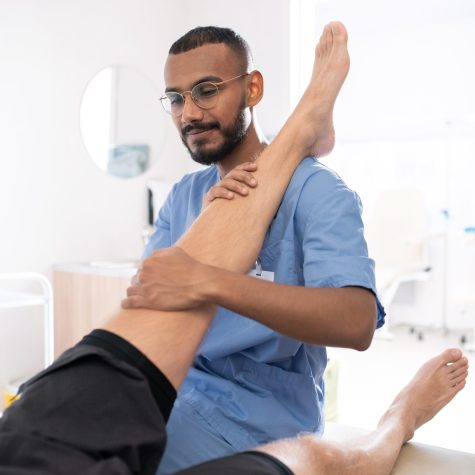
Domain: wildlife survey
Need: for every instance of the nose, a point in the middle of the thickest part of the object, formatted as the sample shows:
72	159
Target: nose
191	112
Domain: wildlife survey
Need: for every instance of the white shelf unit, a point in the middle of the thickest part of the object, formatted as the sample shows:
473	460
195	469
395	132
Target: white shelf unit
16	299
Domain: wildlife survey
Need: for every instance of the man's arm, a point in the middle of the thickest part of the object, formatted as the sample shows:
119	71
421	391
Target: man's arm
336	308
343	317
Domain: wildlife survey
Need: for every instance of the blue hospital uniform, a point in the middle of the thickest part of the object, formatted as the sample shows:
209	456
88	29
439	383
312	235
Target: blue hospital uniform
250	384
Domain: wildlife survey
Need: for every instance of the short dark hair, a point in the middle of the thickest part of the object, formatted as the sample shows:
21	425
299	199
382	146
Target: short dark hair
203	35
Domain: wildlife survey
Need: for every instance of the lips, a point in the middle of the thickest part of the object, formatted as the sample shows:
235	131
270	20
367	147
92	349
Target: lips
196	130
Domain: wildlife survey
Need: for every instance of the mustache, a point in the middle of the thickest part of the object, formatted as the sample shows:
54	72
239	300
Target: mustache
199	126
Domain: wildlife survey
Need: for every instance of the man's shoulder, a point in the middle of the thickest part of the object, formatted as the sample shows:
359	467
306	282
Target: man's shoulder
189	190
318	191
312	176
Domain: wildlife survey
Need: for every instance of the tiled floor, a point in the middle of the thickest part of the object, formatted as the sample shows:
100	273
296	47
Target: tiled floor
368	382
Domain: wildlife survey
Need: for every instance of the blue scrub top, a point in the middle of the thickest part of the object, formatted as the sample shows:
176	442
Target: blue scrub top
250	383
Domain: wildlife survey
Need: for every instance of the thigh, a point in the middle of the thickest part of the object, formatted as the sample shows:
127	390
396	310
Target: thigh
87	413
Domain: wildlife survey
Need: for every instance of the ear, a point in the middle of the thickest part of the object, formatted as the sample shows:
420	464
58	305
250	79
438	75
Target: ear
255	88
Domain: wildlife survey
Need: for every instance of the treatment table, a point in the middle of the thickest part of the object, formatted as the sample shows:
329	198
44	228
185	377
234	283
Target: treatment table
415	458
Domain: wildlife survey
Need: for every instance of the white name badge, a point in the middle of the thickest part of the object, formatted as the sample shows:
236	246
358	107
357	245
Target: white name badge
262	274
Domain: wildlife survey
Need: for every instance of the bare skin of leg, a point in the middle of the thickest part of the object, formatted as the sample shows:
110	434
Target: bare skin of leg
229	234
434	386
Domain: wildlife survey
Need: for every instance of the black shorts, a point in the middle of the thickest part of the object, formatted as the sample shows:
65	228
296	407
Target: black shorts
101	408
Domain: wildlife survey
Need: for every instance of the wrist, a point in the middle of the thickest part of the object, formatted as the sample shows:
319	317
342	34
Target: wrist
210	289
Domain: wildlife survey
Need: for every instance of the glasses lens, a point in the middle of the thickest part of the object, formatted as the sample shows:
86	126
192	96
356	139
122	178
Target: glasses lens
205	94
172	102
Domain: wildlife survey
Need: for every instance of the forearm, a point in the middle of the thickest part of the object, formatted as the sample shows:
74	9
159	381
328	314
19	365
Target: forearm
340	317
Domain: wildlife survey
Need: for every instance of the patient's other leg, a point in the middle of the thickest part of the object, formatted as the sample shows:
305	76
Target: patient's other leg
229	234
435	385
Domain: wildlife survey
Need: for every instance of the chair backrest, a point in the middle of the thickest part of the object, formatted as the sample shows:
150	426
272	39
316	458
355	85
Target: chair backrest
397	231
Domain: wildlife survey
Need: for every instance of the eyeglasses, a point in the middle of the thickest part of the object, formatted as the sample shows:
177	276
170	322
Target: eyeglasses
204	95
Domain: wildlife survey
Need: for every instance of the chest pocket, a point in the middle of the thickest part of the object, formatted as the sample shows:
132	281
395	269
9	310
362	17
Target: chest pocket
280	257
282	251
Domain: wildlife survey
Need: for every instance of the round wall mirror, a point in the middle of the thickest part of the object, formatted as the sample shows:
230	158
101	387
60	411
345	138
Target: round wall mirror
121	121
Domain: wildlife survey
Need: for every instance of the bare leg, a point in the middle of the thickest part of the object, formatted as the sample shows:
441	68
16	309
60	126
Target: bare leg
435	385
229	234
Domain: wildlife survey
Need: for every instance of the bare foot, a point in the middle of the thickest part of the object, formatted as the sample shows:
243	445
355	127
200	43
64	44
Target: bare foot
433	387
314	112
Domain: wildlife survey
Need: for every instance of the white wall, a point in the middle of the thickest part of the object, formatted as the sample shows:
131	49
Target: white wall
406	118
55	204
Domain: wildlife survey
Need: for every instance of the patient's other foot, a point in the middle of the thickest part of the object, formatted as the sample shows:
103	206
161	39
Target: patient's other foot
314	112
433	387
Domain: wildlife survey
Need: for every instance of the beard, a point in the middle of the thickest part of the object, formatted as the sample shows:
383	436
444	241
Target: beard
232	135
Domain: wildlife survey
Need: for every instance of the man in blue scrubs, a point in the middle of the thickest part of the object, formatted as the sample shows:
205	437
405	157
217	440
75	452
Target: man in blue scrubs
313	283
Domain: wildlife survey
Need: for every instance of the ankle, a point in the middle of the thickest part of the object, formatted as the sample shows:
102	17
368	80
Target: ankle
398	419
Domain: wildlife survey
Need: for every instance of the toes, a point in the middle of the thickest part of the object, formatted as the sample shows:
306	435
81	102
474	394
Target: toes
450	356
460	363
339	31
322	40
333	32
458	375
325	40
328	35
459	385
